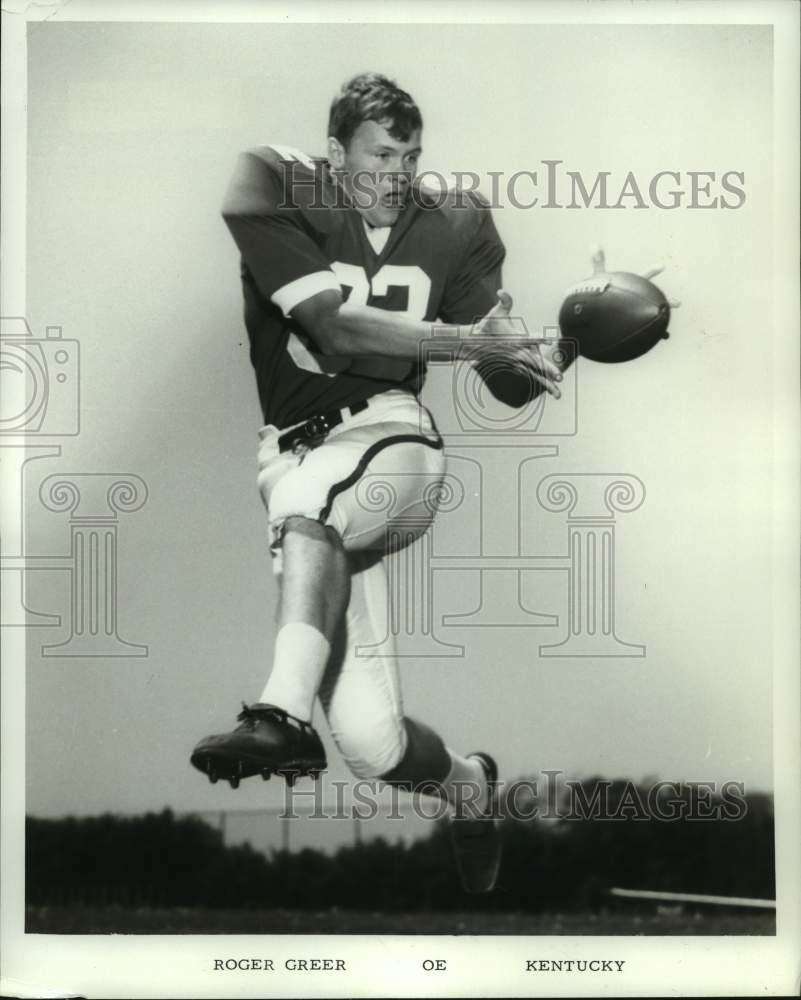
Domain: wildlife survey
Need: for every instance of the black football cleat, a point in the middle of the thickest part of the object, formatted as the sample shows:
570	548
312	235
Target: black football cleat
476	840
267	741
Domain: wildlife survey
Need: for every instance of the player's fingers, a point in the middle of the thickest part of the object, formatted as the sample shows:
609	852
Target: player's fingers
652	272
546	383
533	357
551	370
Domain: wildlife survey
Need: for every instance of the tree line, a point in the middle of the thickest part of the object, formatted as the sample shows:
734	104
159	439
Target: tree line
549	864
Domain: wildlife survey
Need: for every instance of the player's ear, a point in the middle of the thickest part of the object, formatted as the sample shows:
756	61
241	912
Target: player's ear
336	153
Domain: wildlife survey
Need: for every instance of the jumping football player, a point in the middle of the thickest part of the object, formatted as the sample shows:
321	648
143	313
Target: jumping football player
346	264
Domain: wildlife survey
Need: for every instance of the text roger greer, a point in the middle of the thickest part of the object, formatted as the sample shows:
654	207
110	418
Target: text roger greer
268	965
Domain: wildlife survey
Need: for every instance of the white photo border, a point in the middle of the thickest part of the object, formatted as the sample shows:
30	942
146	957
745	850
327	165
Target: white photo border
175	966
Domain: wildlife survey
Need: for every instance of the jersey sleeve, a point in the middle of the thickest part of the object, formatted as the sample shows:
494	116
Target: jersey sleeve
470	291
273	239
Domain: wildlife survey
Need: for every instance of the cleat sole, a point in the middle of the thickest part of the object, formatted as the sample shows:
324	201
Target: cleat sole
223	764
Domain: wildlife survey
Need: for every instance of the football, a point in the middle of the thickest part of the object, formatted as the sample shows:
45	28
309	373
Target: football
614	317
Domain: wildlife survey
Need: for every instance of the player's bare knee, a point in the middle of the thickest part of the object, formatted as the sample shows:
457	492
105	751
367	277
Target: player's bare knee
298	526
302	524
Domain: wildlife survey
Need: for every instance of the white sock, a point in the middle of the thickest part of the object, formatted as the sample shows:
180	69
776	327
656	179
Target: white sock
466	785
301	655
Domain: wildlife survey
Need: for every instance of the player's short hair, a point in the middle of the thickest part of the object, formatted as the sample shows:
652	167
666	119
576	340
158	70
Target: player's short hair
371	97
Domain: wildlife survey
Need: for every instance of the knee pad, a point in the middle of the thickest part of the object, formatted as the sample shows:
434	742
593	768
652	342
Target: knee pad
369	757
370	742
425	760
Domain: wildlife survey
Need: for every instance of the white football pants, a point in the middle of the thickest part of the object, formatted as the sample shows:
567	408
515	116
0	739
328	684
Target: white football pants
375	479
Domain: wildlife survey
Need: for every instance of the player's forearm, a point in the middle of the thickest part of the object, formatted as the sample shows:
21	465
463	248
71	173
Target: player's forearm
359	331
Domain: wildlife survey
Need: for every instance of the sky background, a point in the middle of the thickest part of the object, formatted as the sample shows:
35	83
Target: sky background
133	132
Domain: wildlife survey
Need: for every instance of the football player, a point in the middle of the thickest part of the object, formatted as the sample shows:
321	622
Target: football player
348	268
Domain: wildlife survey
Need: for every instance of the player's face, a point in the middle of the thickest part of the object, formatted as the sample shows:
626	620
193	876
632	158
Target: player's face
377	171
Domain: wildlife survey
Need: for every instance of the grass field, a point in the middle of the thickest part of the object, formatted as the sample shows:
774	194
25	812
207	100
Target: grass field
151	920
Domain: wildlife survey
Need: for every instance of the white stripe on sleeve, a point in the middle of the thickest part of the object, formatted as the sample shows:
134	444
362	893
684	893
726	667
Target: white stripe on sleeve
287	297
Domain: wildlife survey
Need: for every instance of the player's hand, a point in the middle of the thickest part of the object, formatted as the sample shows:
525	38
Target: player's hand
515	349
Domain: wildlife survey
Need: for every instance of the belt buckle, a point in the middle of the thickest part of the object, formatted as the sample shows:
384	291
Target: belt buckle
316	427
311	434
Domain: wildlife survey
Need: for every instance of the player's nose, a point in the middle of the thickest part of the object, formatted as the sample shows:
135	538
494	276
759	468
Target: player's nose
400	181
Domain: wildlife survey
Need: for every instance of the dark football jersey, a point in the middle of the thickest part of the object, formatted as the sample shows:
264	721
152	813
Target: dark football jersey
298	235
